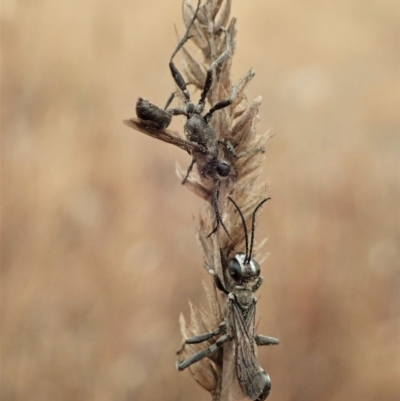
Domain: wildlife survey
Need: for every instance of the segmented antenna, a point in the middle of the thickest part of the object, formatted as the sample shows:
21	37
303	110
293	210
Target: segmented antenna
246	236
253	228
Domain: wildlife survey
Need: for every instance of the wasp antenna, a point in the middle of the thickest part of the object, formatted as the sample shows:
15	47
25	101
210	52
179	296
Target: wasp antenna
253	226
246	236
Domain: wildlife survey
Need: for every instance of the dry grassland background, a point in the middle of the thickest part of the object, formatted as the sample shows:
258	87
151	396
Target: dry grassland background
99	254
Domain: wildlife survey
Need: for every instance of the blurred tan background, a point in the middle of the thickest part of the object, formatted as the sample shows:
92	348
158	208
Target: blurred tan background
99	254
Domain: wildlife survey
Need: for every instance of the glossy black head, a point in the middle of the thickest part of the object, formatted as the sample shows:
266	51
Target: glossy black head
223	168
243	271
242	268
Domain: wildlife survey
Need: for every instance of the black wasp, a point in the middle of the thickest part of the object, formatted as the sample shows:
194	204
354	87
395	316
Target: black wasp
202	143
239	322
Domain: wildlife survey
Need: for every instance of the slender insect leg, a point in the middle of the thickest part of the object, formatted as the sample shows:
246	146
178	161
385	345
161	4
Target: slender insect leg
250	152
219	284
169	100
210	71
265	340
189	170
217	281
206	336
204	353
174	71
229	147
172	96
177	112
221	105
227	102
202	337
218	219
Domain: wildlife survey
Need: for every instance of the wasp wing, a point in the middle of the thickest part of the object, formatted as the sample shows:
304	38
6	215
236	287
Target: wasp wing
165	136
255	383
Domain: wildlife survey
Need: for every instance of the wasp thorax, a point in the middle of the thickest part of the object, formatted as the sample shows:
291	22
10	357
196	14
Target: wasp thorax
190	108
243	270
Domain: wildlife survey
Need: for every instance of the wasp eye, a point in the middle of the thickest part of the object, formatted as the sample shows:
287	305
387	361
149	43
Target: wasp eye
235	269
223	169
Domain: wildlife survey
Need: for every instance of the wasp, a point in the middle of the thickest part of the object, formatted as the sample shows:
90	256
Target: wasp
238	325
201	141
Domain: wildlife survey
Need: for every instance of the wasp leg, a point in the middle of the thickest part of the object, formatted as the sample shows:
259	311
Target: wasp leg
218	219
176	75
265	340
204	353
189	170
202	337
229	147
209	77
219	284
